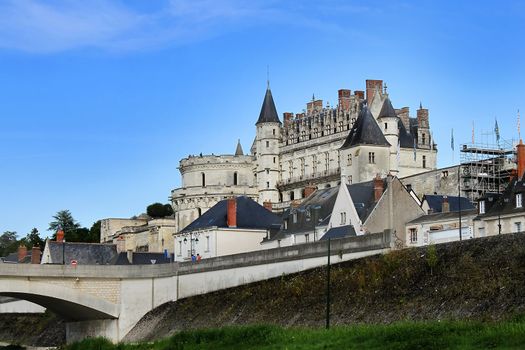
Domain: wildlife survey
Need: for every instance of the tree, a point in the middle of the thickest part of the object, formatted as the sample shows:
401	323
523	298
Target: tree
8	243
159	210
432	258
33	239
63	219
94	232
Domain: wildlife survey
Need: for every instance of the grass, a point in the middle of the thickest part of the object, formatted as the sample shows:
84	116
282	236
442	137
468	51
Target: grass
404	335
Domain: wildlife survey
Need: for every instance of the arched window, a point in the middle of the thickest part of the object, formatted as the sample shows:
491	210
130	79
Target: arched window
292	195
203	176
235	178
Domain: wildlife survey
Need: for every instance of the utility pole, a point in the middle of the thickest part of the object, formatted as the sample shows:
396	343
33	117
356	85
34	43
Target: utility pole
328	288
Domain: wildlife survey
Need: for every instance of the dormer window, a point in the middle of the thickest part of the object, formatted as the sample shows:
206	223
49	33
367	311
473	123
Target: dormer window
482	207
519	200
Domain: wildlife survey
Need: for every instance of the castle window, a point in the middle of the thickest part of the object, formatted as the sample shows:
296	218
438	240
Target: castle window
349	179
307	238
292	195
267	144
267	184
326	161
413	235
267	171
274	160
517	227
235	178
519	198
302	167
203	178
423	138
207	243
386	126
371	157
273	131
349	160
314	164
424	161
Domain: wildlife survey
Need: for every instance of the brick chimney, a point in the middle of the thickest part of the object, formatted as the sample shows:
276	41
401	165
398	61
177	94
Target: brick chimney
60	235
231	215
268	205
520	150
287	116
309	189
36	254
445	205
422	117
371	87
344	99
360	94
378	187
22	252
404	115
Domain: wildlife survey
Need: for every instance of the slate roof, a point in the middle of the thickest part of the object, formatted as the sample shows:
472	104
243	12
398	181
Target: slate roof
142	258
506	203
83	253
387	110
339	232
268	112
365	131
250	215
315	211
435	202
238	150
11	258
443	216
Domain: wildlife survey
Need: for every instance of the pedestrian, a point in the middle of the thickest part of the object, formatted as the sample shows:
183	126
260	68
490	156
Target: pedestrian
199	257
193	258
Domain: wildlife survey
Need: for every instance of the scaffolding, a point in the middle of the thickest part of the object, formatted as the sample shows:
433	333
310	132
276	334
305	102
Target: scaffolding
486	167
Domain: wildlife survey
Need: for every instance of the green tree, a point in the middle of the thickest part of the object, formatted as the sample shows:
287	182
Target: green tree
94	232
8	243
159	210
33	239
63	219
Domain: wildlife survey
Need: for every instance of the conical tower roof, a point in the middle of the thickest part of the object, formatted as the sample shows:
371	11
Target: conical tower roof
365	131
238	150
268	112
387	110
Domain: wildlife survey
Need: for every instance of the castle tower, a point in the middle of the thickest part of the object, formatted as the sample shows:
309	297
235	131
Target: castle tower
389	123
423	128
267	152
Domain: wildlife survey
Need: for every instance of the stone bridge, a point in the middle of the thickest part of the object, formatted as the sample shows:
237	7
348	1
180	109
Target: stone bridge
108	301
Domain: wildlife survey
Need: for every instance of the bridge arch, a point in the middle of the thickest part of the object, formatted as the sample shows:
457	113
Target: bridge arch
72	304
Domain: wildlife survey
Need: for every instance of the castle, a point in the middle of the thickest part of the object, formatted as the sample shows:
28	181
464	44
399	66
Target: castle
362	136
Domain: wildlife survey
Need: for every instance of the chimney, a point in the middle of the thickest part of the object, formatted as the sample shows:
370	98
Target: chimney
309	107
60	235
309	189
404	115
231	215
130	256
520	150
22	252
318	105
268	205
378	187
121	244
360	94
422	117
35	255
344	99
445	205
287	116
373	86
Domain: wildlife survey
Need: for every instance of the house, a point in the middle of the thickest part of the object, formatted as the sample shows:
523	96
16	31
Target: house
504	212
348	210
234	225
23	256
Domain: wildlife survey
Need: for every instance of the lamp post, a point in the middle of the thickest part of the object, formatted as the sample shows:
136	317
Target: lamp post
459	200
328	288
64	251
196	239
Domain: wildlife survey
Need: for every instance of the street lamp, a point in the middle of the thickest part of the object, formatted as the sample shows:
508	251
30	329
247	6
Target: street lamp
196	240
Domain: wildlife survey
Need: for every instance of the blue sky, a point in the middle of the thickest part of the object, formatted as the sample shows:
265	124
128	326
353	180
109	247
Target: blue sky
100	99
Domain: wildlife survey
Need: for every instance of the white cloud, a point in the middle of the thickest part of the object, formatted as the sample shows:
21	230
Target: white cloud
59	25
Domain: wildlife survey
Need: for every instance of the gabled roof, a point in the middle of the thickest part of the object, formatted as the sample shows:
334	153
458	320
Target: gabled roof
506	203
436	217
387	110
365	131
339	232
142	258
238	150
435	202
83	253
268	112
250	215
364	198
